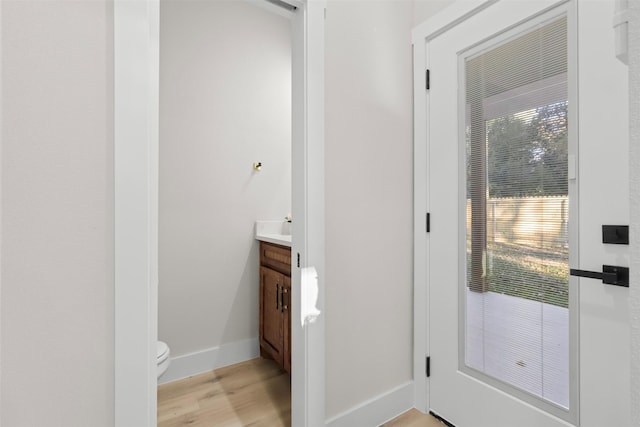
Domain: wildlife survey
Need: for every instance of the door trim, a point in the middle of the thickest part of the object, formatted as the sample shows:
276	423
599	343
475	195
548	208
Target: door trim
136	90
136	105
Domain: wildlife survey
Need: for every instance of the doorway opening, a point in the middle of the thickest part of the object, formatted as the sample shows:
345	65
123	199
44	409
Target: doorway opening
136	59
224	164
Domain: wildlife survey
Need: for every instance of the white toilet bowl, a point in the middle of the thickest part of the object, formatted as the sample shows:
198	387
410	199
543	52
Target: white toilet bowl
163	357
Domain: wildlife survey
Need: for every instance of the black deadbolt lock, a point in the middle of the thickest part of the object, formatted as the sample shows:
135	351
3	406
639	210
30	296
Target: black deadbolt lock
615	234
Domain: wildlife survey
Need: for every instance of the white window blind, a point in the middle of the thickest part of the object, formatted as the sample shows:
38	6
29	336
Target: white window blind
517	263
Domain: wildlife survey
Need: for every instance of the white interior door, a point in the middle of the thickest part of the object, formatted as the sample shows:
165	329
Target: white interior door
527	142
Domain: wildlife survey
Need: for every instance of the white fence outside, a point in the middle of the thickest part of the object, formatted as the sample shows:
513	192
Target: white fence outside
538	222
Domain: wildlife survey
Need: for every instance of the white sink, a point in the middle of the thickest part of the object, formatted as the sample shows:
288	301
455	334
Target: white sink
278	232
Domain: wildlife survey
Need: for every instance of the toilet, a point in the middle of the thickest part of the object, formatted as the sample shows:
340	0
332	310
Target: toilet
163	358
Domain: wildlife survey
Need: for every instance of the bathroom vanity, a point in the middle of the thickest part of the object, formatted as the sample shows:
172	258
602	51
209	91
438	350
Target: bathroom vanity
275	299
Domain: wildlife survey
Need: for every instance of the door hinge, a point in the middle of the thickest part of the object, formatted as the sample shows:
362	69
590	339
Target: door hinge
427	79
428	367
428	222
298	259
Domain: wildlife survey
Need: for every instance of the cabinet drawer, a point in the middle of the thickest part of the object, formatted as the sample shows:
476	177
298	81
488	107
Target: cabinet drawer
276	257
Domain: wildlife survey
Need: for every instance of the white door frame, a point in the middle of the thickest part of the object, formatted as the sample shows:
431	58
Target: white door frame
448	18
136	105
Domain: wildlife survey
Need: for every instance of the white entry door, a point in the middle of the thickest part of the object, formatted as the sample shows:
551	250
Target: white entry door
526	134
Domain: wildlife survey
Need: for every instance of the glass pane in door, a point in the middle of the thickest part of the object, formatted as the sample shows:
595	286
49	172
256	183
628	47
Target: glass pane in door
517	211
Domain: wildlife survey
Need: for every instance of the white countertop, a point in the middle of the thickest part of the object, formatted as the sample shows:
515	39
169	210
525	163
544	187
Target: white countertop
278	232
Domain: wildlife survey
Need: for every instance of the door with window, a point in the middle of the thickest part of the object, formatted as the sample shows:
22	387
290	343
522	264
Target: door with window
527	159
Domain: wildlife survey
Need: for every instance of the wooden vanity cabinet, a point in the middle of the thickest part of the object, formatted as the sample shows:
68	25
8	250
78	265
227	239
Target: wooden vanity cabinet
275	298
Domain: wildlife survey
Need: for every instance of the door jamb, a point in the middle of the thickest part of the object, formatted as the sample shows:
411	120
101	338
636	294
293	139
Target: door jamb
136	104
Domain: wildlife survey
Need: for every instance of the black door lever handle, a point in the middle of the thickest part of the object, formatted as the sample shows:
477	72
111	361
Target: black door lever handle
611	275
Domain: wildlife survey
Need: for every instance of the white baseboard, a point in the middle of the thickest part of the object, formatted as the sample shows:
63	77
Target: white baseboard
378	410
212	358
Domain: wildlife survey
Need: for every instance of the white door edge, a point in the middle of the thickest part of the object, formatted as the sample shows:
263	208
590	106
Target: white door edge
428	29
0	207
634	194
447	18
136	105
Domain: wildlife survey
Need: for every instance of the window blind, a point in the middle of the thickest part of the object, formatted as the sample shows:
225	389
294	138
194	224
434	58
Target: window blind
517	254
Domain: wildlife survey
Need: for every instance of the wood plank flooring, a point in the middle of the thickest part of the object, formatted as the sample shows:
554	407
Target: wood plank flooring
255	393
414	418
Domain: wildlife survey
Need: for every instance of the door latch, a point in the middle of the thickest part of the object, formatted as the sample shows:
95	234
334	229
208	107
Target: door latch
611	275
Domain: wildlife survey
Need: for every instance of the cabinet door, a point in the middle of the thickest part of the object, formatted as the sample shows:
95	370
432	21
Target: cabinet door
286	321
271	327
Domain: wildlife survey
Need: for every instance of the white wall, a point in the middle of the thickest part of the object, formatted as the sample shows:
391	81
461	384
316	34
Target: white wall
225	102
369	200
57	214
425	9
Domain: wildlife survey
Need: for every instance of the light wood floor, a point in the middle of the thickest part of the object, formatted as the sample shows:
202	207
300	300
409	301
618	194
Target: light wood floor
255	393
414	418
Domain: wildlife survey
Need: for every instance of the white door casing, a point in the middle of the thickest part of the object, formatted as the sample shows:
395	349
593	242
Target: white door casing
136	100
136	91
603	199
308	354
